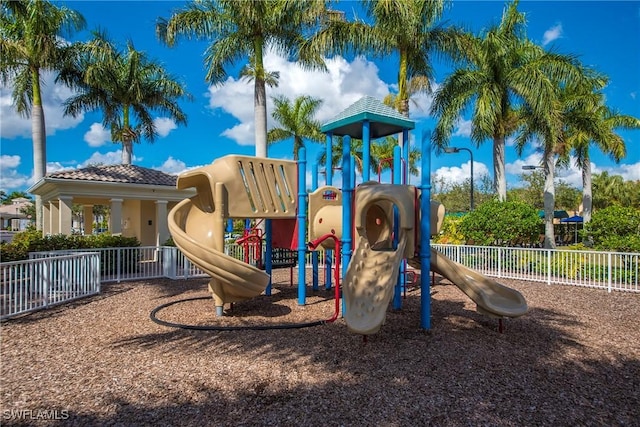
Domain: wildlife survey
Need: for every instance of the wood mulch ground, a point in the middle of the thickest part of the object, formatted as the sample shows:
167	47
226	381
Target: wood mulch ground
573	360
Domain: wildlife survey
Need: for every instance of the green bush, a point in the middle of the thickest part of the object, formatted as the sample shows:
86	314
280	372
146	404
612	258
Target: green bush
496	223
450	232
33	241
614	228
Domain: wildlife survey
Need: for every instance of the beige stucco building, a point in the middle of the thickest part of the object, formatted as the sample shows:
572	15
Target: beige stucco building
139	200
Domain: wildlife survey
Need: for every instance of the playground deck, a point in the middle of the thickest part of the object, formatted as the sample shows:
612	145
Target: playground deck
572	360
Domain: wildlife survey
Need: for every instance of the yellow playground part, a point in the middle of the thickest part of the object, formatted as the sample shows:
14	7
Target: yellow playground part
232	186
373	270
386	222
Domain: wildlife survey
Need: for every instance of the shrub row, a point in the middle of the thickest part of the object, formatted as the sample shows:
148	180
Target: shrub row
33	241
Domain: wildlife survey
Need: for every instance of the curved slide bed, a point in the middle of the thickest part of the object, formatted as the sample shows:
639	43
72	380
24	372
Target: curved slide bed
491	298
232	280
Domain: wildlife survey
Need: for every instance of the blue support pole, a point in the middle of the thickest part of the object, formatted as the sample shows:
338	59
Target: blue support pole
397	179
328	166
314	254
268	255
302	225
347	192
366	150
347	214
425	232
328	171
405	156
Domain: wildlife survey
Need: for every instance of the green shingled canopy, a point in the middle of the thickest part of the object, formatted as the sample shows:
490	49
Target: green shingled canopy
383	120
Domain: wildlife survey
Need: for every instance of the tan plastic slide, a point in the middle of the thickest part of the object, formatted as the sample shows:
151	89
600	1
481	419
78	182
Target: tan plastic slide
233	186
373	270
491	298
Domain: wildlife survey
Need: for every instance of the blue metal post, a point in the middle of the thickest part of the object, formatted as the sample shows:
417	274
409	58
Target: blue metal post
347	192
314	254
268	254
366	150
328	170
405	156
328	165
302	224
425	232
397	179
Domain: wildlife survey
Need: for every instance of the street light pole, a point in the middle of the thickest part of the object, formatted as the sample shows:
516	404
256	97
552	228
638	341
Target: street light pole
450	150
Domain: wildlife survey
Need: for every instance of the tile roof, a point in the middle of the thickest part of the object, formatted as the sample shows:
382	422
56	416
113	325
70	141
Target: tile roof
128	174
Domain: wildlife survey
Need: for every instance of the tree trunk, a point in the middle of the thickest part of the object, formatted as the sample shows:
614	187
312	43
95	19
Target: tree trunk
500	179
39	140
587	192
127	151
549	201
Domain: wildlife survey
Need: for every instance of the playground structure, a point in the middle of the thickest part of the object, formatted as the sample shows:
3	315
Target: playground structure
392	223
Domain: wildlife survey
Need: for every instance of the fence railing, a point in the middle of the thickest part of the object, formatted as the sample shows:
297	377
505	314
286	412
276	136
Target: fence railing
39	283
59	276
615	271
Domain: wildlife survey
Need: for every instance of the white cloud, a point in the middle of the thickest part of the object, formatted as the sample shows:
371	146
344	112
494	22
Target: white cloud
53	98
459	174
97	135
10	178
515	168
109	158
173	166
552	34
164	125
463	128
341	86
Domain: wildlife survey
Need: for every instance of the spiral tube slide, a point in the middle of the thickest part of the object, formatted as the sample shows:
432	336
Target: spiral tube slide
192	230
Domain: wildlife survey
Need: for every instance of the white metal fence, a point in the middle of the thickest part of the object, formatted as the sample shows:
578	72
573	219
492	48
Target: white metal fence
39	283
606	270
54	277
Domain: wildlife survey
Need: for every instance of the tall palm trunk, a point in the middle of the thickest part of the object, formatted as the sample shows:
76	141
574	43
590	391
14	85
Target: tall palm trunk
127	137
587	191
127	151
260	101
549	201
499	176
39	140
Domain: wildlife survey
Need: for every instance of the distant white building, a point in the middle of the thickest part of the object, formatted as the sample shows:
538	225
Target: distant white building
11	217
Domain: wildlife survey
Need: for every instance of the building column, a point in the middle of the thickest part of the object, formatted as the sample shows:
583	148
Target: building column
87	215
162	224
115	219
54	217
46	219
65	203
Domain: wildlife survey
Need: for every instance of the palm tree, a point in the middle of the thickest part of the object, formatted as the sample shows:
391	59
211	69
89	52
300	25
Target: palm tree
404	28
557	127
296	121
243	29
601	123
607	190
127	87
380	151
502	70
31	43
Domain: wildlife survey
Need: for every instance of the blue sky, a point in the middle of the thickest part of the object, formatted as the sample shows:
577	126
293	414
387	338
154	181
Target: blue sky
605	35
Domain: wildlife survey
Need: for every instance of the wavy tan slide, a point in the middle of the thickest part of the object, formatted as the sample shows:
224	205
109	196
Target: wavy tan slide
373	270
231	187
491	298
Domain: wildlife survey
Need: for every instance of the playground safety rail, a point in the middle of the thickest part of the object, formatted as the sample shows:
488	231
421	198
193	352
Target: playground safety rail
35	284
59	276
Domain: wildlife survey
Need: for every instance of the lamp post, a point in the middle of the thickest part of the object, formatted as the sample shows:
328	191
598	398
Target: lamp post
450	150
531	167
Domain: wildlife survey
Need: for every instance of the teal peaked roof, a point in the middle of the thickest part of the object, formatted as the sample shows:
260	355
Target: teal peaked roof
383	120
